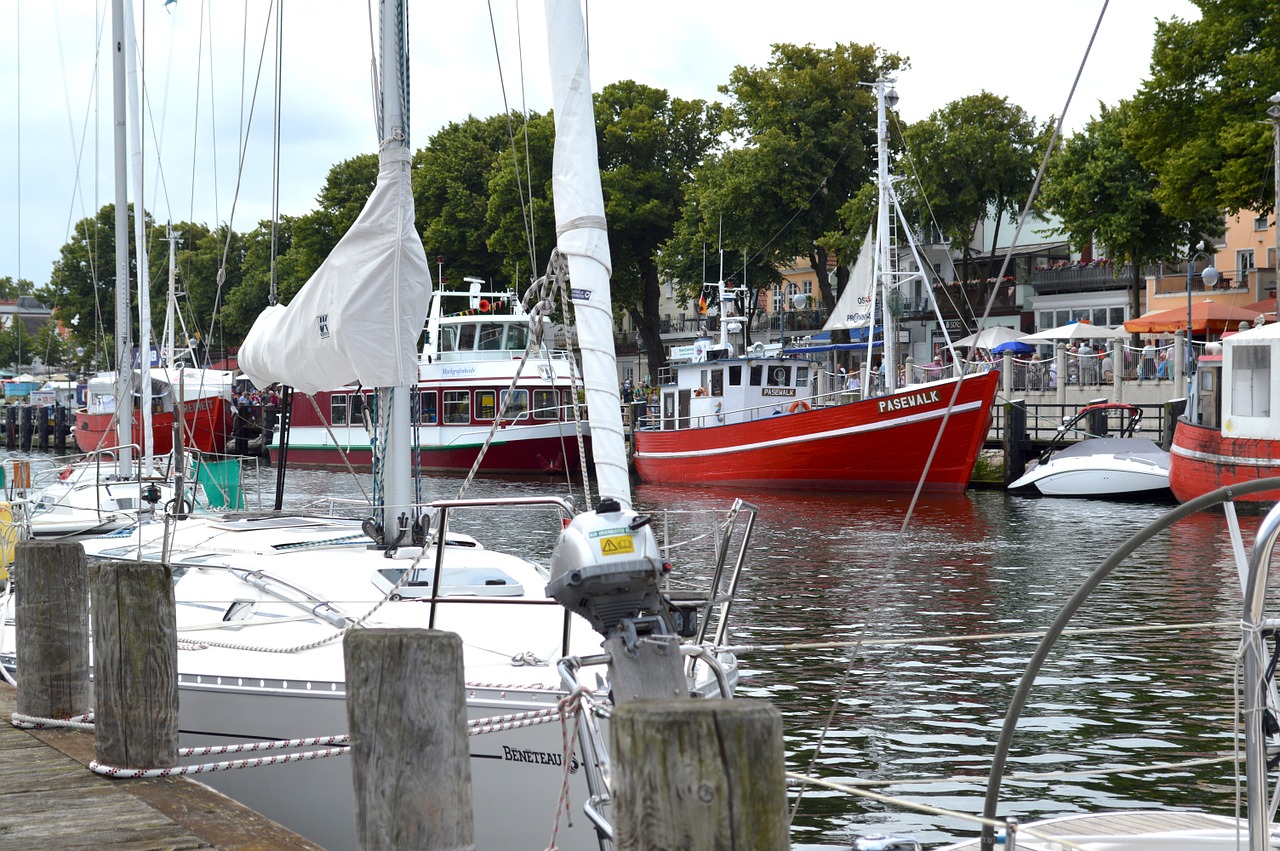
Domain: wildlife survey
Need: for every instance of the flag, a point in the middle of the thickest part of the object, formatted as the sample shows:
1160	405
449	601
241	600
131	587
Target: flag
702	303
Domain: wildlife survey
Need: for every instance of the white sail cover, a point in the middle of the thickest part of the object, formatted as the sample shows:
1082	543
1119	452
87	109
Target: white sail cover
853	308
583	240
359	317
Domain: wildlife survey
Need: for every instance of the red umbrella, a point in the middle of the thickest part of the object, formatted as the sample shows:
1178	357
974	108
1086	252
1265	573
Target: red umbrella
1267	305
1212	316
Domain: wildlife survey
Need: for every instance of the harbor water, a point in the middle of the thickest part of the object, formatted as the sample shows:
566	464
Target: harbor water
922	716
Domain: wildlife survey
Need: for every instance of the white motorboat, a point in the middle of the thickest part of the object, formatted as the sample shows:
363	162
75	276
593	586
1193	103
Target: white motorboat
1100	467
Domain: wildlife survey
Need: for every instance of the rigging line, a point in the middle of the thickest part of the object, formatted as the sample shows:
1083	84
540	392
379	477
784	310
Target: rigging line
275	158
525	212
528	159
195	122
243	146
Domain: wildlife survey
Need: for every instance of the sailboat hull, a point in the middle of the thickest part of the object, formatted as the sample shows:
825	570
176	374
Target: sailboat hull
876	444
1203	460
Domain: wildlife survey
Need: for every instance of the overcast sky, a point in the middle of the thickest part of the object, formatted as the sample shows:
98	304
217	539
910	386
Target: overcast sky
56	154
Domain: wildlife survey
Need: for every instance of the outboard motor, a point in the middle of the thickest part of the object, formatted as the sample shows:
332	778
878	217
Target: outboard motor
607	568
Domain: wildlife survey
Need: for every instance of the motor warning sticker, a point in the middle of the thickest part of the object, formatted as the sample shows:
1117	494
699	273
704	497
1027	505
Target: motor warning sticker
620	545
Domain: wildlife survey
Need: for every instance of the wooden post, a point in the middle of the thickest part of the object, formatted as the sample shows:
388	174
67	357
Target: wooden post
1017	446
406	710
705	774
135	650
52	629
25	427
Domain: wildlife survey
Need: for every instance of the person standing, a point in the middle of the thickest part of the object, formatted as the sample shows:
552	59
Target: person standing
1149	361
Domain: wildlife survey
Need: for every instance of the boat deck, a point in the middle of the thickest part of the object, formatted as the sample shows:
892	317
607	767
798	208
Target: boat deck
1148	829
49	799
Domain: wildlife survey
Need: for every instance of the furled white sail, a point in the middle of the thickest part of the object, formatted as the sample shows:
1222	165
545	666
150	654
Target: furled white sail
359	317
853	308
583	240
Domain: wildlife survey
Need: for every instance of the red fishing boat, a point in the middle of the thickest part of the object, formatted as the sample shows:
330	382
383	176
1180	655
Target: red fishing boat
768	420
206	406
1230	432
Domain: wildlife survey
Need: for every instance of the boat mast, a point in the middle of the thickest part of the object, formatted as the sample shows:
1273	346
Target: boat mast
884	248
124	371
171	353
140	240
396	510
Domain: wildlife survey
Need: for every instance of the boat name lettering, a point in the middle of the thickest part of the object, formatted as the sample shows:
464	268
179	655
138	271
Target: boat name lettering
600	533
452	371
581	295
778	391
899	402
511	754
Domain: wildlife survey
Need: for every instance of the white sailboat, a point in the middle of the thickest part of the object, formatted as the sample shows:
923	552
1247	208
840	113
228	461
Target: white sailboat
263	602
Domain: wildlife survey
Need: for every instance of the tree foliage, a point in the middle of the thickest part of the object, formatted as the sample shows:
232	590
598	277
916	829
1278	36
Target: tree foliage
976	159
1102	193
1200	122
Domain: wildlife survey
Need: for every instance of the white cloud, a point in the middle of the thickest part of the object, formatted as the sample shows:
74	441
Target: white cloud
1027	50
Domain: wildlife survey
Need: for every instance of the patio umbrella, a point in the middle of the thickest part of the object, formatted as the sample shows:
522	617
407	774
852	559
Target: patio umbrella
1076	331
989	338
1214	317
1016	346
1267	305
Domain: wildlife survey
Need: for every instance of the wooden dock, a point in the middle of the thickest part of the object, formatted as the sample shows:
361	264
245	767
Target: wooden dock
50	799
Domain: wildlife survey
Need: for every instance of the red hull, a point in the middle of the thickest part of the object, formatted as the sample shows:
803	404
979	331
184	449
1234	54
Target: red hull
521	458
207	428
1203	461
878	444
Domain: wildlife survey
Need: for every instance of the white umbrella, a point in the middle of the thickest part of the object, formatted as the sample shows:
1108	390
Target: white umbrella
1076	331
989	338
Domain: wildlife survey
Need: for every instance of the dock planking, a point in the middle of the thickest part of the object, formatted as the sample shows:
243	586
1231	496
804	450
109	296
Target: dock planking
50	799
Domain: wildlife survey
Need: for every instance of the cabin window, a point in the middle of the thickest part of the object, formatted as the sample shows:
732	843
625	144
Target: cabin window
357	408
779	376
490	337
466	337
735	376
448	339
756	373
515	404
566	403
457	406
517	337
427	413
486	404
338	409
802	377
1251	381
545	406
717	382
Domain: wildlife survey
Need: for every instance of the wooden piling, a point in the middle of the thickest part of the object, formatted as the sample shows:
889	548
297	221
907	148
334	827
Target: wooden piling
43	417
135	650
52	615
1017	446
406	710
26	425
705	774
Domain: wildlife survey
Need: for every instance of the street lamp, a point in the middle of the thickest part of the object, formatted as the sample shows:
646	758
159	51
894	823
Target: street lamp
798	300
1210	277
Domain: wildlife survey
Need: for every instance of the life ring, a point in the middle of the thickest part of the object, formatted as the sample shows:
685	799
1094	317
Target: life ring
799	406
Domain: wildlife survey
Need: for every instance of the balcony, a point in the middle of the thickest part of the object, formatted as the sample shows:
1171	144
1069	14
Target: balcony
1080	279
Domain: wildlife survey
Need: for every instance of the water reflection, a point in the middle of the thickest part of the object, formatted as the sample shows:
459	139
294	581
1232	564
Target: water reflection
832	567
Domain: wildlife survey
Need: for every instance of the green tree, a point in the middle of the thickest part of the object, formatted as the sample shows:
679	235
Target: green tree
1102	193
511	222
976	161
249	296
649	144
1199	121
11	289
347	188
17	345
49	345
451	193
806	128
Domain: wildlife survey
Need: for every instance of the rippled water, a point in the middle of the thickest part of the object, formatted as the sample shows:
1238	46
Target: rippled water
836	567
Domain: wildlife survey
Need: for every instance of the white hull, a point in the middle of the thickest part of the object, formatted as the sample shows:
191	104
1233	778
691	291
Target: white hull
1101	467
1153	830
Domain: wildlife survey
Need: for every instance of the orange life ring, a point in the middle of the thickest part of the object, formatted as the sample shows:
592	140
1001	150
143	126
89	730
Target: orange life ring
799	406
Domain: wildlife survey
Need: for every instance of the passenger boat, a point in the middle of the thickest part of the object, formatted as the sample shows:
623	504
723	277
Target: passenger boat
1100	465
482	379
754	420
1230	432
